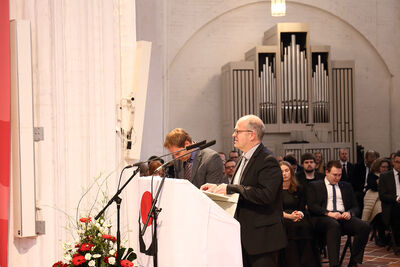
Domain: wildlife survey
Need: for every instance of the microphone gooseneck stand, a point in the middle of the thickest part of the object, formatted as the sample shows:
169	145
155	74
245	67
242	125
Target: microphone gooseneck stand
154	211
118	200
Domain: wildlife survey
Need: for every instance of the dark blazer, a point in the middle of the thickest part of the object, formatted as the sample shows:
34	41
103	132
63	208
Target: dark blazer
348	177
317	197
358	177
207	168
387	194
259	209
372	182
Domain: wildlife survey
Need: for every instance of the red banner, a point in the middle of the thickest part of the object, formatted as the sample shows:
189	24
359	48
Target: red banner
4	127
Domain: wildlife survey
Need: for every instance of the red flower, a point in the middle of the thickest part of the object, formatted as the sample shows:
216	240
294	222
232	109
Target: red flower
86	220
78	260
126	263
59	264
106	259
86	247
109	237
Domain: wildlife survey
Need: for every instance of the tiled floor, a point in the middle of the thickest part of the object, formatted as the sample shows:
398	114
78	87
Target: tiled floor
374	256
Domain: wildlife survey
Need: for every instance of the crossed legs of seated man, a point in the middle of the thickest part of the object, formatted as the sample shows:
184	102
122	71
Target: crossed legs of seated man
333	229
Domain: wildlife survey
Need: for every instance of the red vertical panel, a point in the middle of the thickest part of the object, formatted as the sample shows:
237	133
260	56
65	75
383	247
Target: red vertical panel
4	127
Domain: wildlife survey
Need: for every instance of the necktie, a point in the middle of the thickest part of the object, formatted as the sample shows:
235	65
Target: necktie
188	170
334	197
344	171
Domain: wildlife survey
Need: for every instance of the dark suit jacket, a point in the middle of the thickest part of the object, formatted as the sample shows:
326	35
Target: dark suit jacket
207	168
358	177
372	182
317	197
348	177
259	209
387	194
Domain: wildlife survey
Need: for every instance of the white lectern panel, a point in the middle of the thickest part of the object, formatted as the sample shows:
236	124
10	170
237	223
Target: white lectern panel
192	229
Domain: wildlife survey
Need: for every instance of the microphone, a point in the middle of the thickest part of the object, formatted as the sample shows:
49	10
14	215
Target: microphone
195	145
169	163
211	143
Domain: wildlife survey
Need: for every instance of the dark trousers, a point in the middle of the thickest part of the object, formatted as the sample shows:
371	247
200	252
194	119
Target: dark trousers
395	222
298	253
333	230
269	259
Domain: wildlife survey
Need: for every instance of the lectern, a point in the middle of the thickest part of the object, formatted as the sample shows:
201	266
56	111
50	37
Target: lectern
192	230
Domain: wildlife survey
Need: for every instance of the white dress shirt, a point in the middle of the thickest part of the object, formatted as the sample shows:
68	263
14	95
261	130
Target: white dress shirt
339	200
397	182
243	163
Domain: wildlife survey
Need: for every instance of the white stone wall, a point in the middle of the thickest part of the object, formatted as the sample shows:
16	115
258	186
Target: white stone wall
199	36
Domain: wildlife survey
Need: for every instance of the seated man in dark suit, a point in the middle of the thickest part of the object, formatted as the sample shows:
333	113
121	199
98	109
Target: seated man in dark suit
389	193
333	205
199	167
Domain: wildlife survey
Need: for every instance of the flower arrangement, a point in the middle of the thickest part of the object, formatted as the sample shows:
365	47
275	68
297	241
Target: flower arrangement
95	247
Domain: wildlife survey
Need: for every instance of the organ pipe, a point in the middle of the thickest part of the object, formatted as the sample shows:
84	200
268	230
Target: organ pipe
294	84
320	93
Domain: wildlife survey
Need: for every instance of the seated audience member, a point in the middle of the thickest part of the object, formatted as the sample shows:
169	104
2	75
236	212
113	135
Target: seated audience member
291	158
153	165
332	205
301	249
309	173
389	193
360	175
347	167
372	204
279	158
144	170
392	155
199	167
223	157
319	162
234	155
230	169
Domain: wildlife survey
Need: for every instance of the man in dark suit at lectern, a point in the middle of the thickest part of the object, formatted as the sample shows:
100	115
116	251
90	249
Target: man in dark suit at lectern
258	180
199	167
333	207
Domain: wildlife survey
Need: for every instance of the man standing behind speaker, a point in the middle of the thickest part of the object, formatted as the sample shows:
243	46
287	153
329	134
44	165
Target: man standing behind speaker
199	167
258	180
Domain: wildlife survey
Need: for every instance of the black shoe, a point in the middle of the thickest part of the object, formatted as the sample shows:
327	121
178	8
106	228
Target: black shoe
352	264
380	242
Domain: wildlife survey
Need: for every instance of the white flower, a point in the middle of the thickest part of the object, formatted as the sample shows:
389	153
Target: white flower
88	256
92	263
96	256
99	234
101	221
101	229
67	257
111	260
98	225
112	252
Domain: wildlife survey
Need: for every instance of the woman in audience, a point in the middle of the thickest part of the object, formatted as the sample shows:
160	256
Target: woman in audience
319	162
372	211
301	250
